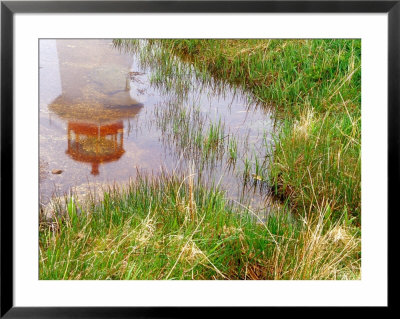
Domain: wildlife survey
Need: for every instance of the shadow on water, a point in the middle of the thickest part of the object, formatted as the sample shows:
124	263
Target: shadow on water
107	114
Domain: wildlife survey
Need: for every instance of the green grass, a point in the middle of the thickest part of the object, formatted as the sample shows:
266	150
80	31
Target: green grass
233	149
318	161
167	228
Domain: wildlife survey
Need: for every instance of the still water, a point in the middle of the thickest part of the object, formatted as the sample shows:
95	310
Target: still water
103	120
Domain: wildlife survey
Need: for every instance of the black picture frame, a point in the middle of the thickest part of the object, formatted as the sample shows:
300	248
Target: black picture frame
9	8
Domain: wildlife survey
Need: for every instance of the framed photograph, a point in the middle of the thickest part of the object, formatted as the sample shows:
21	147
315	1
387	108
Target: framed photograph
162	155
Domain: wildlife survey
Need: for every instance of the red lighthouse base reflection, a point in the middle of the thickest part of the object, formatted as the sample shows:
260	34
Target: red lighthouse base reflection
95	143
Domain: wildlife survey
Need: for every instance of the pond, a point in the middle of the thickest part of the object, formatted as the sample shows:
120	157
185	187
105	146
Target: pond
106	116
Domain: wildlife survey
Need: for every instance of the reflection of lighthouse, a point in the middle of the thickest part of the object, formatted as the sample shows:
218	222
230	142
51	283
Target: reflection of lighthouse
94	101
95	144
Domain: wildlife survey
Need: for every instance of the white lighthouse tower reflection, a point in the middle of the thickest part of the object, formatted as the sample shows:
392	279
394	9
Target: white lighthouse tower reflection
95	100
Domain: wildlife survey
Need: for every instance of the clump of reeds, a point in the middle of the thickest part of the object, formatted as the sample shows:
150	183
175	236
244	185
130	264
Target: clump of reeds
192	133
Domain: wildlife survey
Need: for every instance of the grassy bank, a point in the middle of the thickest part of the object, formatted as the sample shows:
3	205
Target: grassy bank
169	228
315	89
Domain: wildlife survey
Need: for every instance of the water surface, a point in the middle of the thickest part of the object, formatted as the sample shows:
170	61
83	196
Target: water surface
104	119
